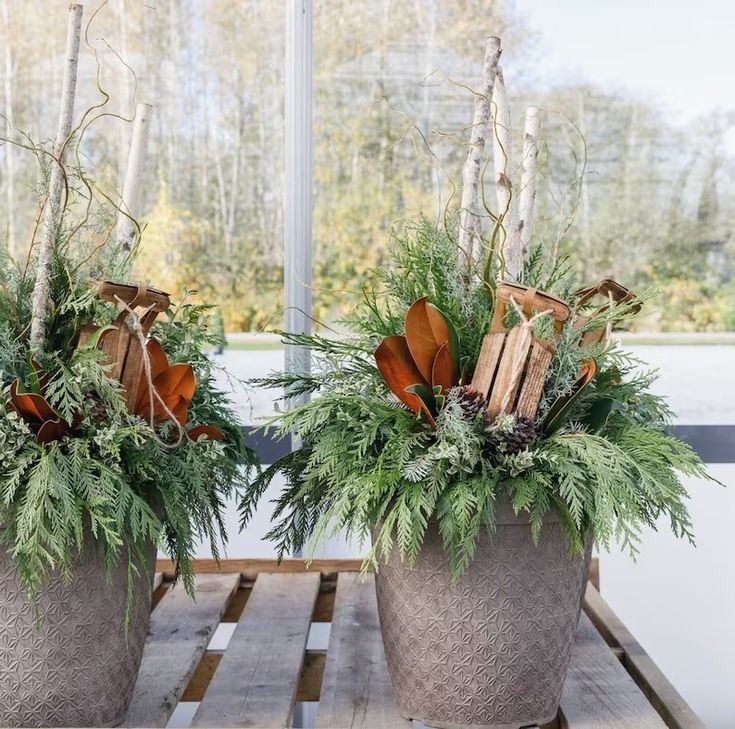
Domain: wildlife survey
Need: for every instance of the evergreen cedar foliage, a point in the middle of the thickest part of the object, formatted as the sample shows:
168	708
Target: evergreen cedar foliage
366	462
112	475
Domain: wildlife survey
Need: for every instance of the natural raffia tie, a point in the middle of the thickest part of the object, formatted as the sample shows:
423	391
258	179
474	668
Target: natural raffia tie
520	351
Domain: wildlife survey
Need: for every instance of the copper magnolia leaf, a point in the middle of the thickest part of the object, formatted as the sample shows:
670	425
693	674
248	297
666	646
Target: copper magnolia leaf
158	358
31	407
173	403
161	406
174	384
427	329
426	401
38	414
159	364
52	430
557	412
177	379
399	371
208	431
443	370
181	410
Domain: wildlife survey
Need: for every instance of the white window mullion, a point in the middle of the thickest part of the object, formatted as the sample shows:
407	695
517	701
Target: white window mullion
298	198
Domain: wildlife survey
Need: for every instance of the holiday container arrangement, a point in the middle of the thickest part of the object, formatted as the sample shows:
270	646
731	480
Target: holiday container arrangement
114	440
481	427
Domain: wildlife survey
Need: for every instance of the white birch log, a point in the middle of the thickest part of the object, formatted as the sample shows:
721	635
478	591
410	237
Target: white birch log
52	211
527	194
470	225
126	230
503	163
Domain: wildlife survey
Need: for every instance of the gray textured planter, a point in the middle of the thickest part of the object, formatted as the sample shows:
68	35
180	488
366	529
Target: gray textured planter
76	669
491	650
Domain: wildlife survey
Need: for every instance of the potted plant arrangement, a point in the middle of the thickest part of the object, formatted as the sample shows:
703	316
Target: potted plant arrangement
481	427
90	486
114	440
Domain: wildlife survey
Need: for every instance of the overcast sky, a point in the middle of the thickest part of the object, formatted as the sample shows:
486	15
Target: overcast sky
680	53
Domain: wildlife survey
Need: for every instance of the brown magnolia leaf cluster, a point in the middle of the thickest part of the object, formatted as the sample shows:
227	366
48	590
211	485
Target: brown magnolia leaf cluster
422	366
45	423
174	387
159	393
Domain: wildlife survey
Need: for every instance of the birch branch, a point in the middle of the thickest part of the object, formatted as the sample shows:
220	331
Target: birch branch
502	160
126	229
527	196
52	210
470	225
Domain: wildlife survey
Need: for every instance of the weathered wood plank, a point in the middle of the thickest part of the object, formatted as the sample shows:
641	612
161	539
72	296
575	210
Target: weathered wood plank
517	345
487	362
533	383
598	693
356	690
157	580
256	680
250	568
178	636
594	573
670	704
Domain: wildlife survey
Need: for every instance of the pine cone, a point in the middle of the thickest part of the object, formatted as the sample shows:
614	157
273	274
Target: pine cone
509	434
521	436
471	401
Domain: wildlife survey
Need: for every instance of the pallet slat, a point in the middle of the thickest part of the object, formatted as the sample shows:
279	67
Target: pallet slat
612	683
598	693
256	680
178	636
356	690
250	568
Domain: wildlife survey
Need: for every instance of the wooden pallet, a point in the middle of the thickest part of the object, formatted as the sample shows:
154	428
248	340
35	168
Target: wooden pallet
274	669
